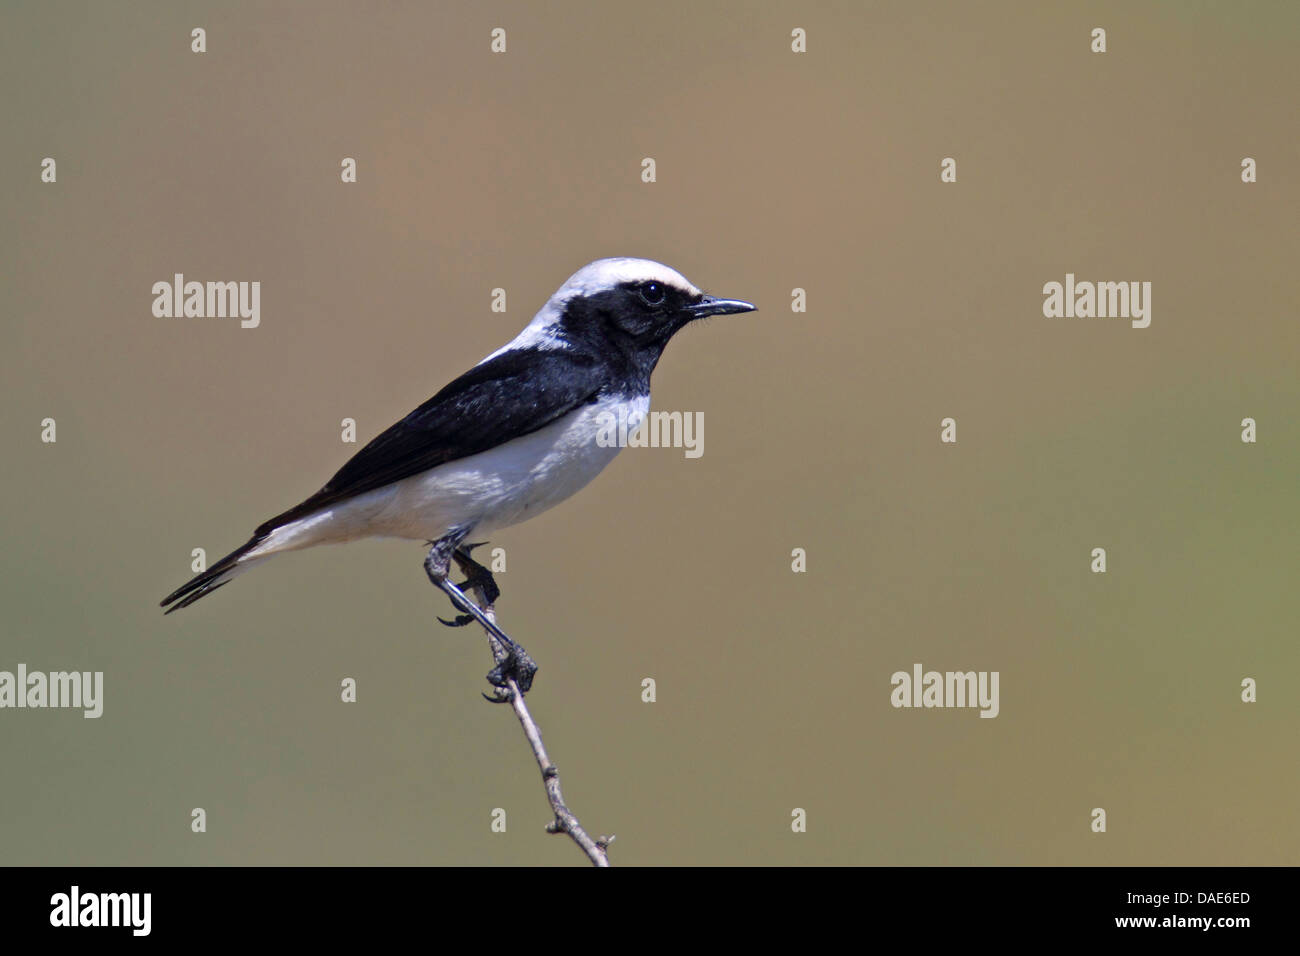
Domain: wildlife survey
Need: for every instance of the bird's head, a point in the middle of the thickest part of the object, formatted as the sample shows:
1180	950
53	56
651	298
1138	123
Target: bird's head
636	303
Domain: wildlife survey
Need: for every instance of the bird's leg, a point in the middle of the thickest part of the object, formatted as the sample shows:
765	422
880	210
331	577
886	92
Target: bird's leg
476	576
516	663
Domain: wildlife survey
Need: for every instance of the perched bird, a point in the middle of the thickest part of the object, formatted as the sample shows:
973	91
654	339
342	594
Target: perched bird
512	437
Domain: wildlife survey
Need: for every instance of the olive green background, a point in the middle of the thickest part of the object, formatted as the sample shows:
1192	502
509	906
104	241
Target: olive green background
775	171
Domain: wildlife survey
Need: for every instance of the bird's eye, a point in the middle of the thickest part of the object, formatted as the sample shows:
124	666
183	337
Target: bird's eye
652	293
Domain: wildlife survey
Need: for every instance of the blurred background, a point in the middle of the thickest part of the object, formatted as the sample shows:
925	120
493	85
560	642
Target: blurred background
775	170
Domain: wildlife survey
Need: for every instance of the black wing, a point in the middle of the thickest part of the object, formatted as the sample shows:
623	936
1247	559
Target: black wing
513	394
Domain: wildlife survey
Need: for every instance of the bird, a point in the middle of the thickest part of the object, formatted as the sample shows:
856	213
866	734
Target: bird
512	437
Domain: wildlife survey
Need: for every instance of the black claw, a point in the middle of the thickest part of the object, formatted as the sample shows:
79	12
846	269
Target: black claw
461	620
500	697
518	665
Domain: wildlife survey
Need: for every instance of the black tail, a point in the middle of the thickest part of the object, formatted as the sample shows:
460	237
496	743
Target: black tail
206	582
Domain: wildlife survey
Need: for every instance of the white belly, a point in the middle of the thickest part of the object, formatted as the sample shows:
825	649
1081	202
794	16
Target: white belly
486	492
510	483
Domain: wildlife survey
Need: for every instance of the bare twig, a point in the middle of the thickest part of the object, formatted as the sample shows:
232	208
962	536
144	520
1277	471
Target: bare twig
565	820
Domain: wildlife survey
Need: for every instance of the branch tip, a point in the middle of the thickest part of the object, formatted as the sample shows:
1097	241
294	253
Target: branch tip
565	821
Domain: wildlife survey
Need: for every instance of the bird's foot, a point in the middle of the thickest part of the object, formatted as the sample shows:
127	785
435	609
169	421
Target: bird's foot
476	576
517	665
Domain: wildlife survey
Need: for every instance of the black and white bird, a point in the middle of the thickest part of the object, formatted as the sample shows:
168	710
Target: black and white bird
512	437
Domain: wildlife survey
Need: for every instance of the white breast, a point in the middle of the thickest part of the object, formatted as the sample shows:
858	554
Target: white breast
488	491
514	481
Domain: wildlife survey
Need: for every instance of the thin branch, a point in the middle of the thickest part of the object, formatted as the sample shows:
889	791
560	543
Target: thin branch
565	820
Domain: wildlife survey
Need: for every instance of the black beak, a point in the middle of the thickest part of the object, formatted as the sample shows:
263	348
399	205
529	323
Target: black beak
710	305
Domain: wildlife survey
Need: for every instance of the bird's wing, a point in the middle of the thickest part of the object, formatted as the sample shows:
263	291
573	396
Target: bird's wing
510	395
